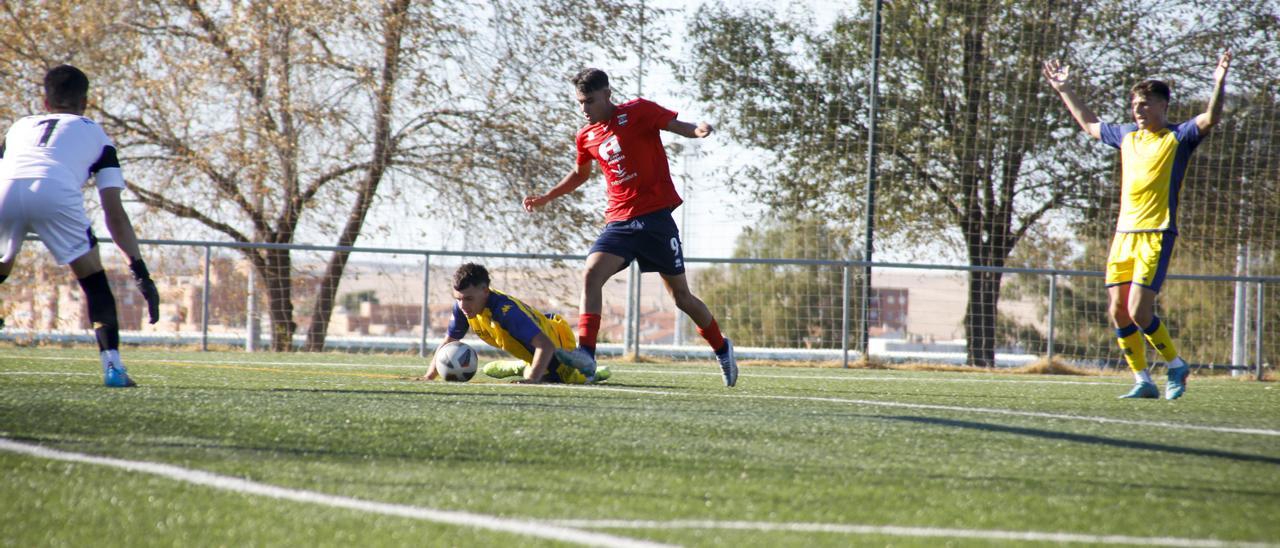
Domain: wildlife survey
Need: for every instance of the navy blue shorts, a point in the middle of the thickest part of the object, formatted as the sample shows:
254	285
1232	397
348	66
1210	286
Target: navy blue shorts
652	240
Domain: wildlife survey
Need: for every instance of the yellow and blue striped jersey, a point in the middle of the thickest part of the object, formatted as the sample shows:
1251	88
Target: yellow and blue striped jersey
1152	167
509	324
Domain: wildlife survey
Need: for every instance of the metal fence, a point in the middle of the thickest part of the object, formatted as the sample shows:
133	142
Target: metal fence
777	309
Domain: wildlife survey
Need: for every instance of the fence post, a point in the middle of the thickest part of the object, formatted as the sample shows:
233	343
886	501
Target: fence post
251	313
1257	328
1053	298
872	159
426	304
844	319
204	301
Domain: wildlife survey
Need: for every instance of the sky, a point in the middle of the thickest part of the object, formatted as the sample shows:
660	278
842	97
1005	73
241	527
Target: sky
711	217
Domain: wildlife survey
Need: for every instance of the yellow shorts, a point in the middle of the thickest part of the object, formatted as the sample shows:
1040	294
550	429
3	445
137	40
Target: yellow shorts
1140	258
561	334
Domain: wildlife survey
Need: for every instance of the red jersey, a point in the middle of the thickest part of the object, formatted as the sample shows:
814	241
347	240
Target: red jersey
630	152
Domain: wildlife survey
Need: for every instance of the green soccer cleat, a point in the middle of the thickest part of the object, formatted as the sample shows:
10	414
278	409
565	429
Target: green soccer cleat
501	369
602	374
1177	385
1143	390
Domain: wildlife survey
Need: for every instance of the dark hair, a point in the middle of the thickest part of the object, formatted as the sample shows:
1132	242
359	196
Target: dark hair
590	79
65	87
468	275
1151	88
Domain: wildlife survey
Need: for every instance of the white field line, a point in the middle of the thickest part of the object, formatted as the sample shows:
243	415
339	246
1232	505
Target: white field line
625	369
237	485
63	374
936	407
898	531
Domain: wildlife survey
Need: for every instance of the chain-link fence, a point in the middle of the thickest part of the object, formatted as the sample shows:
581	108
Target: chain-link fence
775	309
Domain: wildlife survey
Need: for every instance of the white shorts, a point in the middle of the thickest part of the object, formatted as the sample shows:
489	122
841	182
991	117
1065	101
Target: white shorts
54	210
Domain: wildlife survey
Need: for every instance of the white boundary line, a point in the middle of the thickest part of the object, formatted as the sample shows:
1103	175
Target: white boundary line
936	407
226	483
570	530
897	531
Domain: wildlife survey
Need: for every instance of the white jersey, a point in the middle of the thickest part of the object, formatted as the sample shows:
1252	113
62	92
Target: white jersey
61	147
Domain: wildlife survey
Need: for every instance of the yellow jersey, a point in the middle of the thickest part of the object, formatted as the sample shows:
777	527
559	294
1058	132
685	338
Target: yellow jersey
1152	167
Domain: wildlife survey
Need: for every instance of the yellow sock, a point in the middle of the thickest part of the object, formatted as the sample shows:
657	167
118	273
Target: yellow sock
1159	338
1134	351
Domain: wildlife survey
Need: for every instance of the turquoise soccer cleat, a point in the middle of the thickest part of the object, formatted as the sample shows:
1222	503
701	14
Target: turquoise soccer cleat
1144	390
117	377
1177	385
113	372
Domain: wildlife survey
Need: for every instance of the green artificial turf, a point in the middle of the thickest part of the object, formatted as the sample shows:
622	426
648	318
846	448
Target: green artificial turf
659	443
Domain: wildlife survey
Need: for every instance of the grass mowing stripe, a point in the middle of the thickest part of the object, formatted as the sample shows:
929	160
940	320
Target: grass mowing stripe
867	378
238	485
985	410
899	531
273	369
225	362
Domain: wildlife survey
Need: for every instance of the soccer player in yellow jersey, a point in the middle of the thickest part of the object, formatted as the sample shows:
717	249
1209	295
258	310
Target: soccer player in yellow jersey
1153	157
515	327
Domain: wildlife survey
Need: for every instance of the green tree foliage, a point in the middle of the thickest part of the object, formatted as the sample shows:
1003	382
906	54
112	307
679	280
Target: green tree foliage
780	305
969	157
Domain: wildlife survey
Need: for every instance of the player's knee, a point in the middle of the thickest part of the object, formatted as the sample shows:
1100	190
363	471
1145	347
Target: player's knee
1120	314
102	303
683	298
594	278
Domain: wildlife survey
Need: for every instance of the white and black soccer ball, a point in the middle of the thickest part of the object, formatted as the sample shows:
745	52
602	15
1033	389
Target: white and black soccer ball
456	362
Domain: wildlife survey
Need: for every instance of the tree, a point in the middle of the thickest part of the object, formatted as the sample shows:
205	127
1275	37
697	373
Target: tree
973	151
778	305
260	120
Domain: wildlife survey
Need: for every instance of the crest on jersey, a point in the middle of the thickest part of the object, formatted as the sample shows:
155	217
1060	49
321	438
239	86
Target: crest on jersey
622	119
611	149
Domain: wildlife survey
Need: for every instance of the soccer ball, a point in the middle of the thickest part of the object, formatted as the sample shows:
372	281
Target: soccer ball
456	362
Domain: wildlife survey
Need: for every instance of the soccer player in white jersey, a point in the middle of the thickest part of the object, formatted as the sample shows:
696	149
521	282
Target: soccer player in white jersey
44	161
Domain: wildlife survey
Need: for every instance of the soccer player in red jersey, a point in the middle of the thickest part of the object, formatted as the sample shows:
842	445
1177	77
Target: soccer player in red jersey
623	139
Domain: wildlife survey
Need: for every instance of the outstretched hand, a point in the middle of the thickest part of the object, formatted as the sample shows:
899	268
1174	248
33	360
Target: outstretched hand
147	287
1058	75
534	202
704	129
1224	63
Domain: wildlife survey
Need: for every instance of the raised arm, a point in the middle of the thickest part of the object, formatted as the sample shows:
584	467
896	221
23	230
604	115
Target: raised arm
1059	77
702	129
1213	112
568	184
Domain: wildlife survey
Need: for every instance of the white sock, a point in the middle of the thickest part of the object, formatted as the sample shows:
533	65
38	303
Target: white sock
1143	376
1176	362
111	357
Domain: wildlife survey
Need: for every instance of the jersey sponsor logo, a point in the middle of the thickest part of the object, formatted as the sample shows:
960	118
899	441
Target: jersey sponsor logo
611	150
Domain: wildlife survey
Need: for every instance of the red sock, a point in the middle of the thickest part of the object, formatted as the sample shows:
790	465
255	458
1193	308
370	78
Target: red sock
588	328
712	334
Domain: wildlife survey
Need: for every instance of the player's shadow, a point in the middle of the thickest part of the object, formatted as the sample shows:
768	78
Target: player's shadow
1090	439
